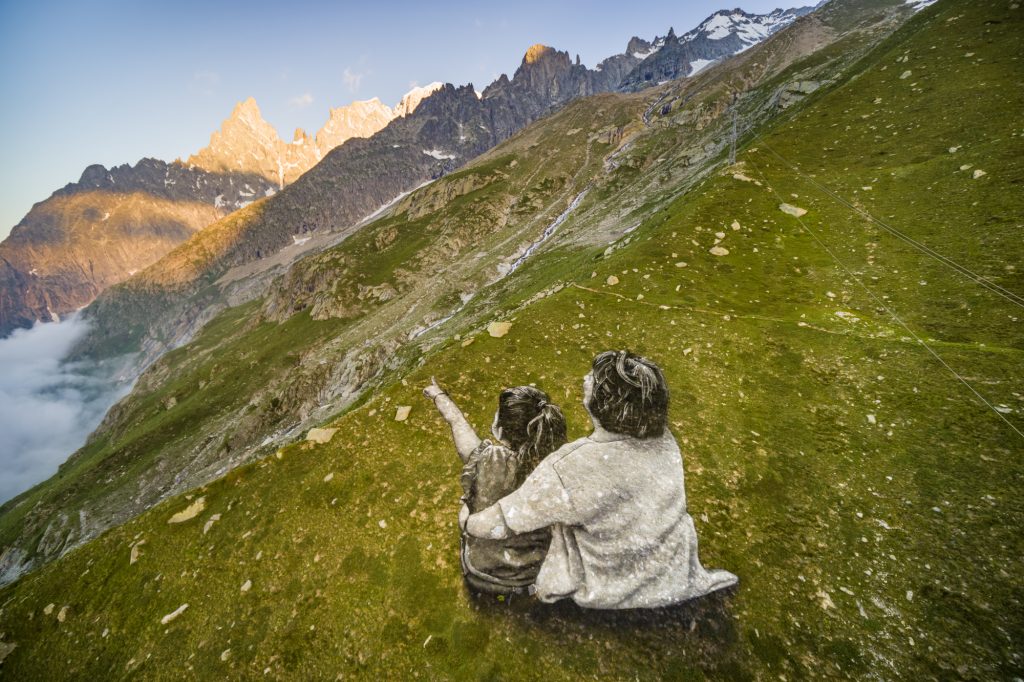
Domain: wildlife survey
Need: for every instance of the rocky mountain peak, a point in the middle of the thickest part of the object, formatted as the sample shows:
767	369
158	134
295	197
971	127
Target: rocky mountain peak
412	99
638	46
536	52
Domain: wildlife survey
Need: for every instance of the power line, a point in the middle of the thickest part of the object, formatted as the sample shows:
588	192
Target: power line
949	262
888	309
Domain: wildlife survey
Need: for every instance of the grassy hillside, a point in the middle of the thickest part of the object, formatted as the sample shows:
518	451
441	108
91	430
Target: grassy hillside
868	502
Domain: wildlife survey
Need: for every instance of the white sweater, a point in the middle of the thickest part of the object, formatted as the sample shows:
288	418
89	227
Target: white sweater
621	534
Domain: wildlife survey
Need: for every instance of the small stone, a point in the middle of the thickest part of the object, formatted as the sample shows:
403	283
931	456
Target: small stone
795	211
872	419
979	173
719	251
466	342
382	523
321	436
49	609
402	412
173	614
966	166
134	556
498	329
681	264
329	477
209	523
246	586
735	225
225	655
720	235
62	614
612	280
953	150
189	512
825	600
906	74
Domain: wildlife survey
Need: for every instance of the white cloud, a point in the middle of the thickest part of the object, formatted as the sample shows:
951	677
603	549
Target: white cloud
352	79
47	408
301	101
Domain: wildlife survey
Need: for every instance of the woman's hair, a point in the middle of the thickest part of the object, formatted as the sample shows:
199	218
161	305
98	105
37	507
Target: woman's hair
629	395
531	425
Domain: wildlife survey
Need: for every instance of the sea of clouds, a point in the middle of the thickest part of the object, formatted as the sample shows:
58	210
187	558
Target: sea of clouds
47	407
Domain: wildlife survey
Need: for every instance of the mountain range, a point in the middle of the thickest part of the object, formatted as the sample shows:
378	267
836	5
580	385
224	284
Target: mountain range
64	252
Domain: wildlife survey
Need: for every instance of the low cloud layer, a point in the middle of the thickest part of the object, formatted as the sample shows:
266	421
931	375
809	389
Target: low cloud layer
47	408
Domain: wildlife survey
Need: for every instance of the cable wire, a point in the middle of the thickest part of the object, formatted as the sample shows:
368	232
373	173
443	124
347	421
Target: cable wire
924	248
888	309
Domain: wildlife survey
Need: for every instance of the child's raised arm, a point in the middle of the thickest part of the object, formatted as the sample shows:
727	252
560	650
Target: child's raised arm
466	440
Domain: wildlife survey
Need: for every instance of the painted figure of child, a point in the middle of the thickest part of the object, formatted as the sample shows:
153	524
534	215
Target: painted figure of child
526	428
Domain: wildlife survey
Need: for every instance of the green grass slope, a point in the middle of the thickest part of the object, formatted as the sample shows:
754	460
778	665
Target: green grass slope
868	501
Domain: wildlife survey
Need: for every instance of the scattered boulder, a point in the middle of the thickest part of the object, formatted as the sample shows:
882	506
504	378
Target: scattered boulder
173	614
719	251
498	329
792	210
612	280
402	412
793	92
189	512
321	436
735	225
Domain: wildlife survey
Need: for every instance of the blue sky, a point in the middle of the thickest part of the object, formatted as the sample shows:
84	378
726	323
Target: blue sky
112	82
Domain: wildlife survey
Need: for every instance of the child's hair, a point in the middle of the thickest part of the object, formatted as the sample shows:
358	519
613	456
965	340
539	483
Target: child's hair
629	395
531	425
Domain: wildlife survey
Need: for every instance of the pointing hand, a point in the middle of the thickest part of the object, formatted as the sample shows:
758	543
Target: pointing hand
433	390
